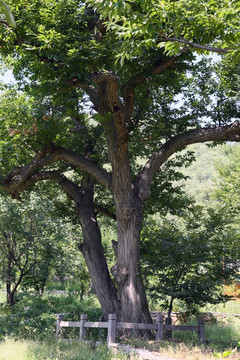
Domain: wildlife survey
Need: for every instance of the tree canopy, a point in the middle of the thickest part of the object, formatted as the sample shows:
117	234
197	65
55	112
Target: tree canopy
174	26
190	258
104	130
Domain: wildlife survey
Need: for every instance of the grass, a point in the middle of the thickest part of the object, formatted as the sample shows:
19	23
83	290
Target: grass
24	331
52	350
224	334
221	336
231	307
186	352
184	345
71	350
66	285
11	350
34	317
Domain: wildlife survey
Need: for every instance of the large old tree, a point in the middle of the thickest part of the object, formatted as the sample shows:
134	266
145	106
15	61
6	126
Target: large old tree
115	92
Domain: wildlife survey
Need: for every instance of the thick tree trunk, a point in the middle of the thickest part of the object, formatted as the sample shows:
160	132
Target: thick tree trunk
92	245
127	272
93	253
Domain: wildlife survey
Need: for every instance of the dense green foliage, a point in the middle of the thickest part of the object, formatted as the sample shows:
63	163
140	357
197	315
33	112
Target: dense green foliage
35	245
34	317
142	25
227	184
190	259
201	174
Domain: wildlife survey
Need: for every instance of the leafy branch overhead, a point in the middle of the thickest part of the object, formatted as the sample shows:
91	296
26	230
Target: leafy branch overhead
6	11
175	26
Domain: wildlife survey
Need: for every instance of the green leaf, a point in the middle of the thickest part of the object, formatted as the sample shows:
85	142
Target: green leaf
227	353
8	14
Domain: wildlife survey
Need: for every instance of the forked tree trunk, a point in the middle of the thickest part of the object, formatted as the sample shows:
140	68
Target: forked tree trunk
129	215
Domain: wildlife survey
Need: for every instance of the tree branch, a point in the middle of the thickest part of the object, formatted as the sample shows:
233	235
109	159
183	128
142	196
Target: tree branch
224	133
18	179
153	70
128	92
195	45
70	188
101	175
105	211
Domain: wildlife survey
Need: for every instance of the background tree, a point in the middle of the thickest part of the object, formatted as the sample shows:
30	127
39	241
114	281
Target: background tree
200	184
90	117
189	258
33	244
227	190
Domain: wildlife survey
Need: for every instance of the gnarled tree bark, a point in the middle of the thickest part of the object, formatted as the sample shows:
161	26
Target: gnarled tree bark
91	247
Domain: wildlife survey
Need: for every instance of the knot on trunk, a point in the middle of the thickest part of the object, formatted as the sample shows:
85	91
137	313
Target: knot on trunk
126	213
120	273
144	194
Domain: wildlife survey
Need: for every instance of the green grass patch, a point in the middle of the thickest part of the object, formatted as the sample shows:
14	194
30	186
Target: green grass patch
224	335
65	285
231	307
52	350
219	336
12	350
32	320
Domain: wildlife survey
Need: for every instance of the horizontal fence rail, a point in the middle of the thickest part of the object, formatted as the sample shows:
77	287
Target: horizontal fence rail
112	325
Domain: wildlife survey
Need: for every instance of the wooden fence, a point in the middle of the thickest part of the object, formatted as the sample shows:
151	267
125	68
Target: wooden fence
112	325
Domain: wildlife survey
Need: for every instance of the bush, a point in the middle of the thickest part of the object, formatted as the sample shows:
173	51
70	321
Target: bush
34	317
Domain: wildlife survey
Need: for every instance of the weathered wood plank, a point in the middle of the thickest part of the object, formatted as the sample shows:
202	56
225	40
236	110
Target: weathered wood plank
69	323
96	324
112	325
136	326
180	327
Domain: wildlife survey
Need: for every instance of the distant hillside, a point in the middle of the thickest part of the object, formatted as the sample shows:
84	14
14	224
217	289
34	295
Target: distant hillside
203	171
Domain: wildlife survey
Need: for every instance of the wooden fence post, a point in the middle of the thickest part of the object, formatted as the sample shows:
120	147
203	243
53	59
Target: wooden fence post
201	331
83	330
112	324
159	323
59	318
